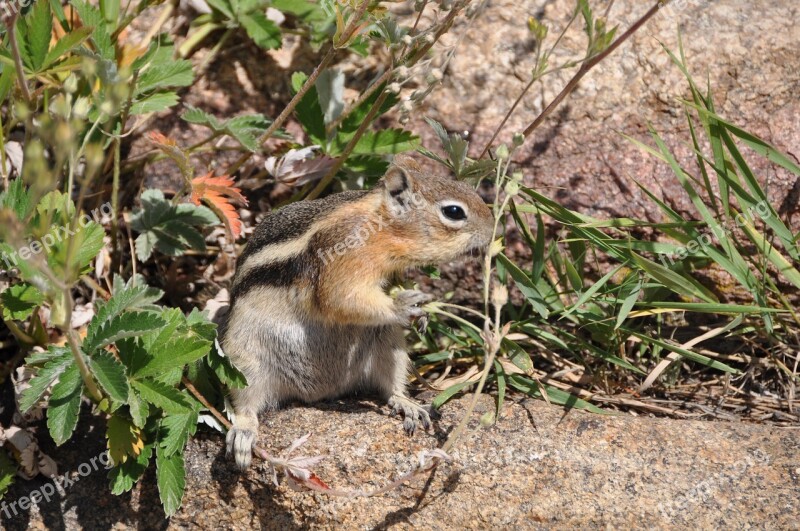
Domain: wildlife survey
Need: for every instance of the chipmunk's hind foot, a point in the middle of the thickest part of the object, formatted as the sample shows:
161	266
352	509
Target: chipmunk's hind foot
240	443
414	414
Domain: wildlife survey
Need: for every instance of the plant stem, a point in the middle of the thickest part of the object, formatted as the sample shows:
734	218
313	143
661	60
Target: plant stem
573	83
12	39
386	76
587	66
214	411
323	184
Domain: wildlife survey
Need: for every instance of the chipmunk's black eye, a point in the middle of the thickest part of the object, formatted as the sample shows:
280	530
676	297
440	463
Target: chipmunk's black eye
454	212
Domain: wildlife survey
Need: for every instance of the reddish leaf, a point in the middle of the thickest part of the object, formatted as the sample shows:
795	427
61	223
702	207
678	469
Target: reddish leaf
217	193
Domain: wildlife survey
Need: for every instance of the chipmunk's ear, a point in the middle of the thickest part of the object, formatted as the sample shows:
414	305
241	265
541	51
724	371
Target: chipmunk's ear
398	184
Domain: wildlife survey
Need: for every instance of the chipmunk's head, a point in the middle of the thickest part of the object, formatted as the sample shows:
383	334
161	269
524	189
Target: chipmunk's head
439	218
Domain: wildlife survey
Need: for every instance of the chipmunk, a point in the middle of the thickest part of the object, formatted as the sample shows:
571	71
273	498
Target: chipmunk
310	318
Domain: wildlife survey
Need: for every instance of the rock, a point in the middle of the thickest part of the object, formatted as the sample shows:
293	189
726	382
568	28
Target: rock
539	466
748	50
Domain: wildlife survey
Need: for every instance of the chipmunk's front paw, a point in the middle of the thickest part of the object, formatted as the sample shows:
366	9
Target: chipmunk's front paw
240	444
407	305
413	413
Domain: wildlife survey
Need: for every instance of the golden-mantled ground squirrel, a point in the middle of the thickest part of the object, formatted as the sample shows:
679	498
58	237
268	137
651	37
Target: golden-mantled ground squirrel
310	318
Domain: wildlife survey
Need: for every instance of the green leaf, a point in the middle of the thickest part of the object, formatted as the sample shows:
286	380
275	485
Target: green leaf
631	296
688	354
171	479
557	396
45	377
124	440
7	79
193	115
110	373
175	431
154	103
228	375
66	44
443	397
64	405
16	197
40	28
89	242
162	396
129	324
124	476
224	7
247	129
176	73
19	301
385	142
92	18
308	111
138	408
166	227
526	286
174	354
263	31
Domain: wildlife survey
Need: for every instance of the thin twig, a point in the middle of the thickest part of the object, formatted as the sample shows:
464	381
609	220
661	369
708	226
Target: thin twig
582	71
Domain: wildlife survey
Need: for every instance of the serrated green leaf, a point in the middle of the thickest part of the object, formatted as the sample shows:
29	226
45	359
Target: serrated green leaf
154	103
175	73
89	242
110	373
66	44
124	440
40	28
124	476
224	7
162	396
247	130
171	479
92	18
138	408
175	431
19	301
193	115
227	373
64	405
167	227
265	33
174	354
45	377
16	198
129	324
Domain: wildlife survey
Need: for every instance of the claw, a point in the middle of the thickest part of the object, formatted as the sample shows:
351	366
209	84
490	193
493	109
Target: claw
240	444
414	413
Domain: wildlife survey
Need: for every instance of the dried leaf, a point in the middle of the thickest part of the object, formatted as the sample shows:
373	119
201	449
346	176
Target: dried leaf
297	169
217	193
